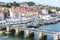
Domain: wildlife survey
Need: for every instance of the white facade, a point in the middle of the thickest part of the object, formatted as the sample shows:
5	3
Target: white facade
59	12
1	16
44	11
11	14
30	14
46	17
16	15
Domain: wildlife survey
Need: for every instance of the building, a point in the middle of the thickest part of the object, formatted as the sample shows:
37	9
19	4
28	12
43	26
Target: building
44	11
14	14
54	10
2	4
17	12
2	13
58	13
46	17
24	4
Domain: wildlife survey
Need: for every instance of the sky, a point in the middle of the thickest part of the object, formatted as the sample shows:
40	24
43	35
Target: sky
44	2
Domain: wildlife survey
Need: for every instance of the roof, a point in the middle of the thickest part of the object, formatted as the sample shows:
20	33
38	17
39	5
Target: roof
22	10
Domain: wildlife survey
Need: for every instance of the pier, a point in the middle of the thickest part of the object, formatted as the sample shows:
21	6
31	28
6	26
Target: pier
29	31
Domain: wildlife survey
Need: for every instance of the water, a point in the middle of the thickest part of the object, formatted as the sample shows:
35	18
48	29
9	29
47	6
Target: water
53	27
10	37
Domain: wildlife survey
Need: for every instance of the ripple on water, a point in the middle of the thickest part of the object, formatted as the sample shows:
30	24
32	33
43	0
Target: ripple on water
53	27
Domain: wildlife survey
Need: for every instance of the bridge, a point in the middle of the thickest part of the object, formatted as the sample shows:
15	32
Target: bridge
28	31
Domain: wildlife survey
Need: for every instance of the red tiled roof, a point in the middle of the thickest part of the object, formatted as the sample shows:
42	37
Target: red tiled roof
22	10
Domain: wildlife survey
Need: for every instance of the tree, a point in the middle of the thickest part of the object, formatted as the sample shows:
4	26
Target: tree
30	3
50	12
12	4
8	5
57	8
15	4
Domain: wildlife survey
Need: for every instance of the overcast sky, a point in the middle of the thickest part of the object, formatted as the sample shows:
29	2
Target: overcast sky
45	2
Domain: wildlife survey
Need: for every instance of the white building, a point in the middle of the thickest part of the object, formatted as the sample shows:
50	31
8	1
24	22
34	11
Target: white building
45	11
15	15
58	12
46	17
1	16
11	14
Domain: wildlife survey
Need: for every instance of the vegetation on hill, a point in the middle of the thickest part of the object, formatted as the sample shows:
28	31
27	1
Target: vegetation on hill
30	3
12	4
57	8
17	4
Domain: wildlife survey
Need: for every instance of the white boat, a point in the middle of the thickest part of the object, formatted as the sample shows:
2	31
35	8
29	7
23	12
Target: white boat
5	37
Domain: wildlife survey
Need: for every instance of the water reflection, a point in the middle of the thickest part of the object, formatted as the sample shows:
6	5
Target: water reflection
49	37
30	38
12	37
